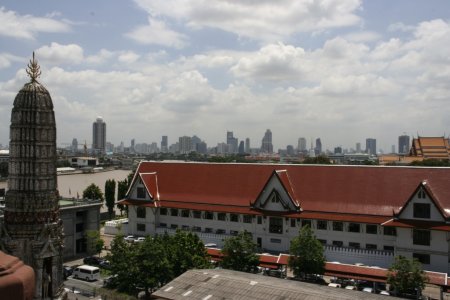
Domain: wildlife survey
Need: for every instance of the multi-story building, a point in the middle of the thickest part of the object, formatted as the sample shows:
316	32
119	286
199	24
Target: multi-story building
266	144
361	214
403	144
164	144
247	145
371	146
302	145
358	148
99	135
185	144
232	142
318	148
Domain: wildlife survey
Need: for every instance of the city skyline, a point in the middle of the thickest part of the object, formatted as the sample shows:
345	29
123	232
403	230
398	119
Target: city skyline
343	71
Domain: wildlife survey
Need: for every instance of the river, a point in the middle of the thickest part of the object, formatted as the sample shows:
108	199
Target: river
73	185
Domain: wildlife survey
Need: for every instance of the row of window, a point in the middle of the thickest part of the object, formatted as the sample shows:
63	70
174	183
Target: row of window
356	245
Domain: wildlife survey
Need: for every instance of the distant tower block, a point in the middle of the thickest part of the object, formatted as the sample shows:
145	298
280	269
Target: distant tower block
33	230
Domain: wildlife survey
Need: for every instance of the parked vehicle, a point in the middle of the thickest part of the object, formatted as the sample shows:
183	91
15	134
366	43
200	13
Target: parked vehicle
351	287
92	260
129	238
139	239
88	273
335	285
386	293
110	281
105	264
67	271
367	290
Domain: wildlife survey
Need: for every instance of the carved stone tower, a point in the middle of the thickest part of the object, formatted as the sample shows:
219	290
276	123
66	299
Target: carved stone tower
32	228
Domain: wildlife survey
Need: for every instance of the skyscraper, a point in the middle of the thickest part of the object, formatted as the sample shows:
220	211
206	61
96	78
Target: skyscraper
164	143
74	145
403	144
99	135
301	145
266	144
358	147
33	230
318	148
185	145
232	142
133	145
371	146
247	145
241	148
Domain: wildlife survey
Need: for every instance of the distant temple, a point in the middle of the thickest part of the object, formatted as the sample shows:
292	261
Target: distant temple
32	229
430	148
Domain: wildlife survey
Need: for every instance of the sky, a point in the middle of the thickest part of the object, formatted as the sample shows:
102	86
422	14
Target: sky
342	70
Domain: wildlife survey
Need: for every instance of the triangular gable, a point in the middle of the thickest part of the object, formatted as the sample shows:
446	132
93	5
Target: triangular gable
277	194
423	189
148	181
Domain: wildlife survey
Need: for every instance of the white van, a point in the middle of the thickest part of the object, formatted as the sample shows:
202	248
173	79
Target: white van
87	272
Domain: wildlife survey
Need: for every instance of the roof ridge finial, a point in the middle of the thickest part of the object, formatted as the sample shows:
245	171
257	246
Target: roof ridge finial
33	70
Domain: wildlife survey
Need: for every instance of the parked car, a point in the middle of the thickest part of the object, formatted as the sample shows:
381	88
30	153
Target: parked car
105	264
351	287
386	293
129	238
92	260
367	290
139	239
335	285
67	271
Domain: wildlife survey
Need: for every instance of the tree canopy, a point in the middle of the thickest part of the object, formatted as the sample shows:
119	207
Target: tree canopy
306	254
406	276
240	253
93	192
110	193
94	242
321	159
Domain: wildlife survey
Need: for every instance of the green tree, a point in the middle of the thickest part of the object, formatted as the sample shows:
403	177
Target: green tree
186	251
122	188
321	160
306	254
406	276
93	192
94	242
240	253
110	192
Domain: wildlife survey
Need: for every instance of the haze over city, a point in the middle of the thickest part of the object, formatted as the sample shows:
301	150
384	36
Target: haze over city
343	71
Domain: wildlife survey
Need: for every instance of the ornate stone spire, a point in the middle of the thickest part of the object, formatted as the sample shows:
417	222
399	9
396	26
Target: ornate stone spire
33	70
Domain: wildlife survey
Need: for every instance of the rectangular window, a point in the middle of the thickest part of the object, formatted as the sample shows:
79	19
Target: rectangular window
185	213
390	231
79	227
293	223
208	230
163	225
163	211
259	220
208	215
421	237
140	227
174	212
371	246
221	216
323	242
275	241
220	231
247	218
422	210
353	227
197	214
306	223
338	226
140	212
234	232
276	225
371	229
388	248
422	258
185	227
322	225
338	243
234	217
354	245
196	228
173	226
140	192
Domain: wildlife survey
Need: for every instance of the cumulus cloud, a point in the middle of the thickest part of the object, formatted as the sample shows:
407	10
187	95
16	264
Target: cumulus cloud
258	20
157	33
27	26
61	54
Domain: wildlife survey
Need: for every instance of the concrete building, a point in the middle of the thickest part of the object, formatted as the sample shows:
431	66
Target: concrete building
184	144
266	144
232	143
371	146
302	145
403	144
99	135
247	145
358	148
318	148
364	215
164	144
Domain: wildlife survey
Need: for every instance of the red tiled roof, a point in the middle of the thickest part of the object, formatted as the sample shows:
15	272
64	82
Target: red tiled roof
360	190
417	224
150	181
284	178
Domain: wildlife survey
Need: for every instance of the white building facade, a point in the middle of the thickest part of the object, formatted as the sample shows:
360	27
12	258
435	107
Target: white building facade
272	202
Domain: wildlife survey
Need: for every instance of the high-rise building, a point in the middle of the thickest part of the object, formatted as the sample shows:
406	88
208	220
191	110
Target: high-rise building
241	148
232	142
185	144
202	148
99	135
266	144
371	146
74	145
358	147
33	230
403	144
290	150
133	145
164	144
195	140
338	150
318	148
247	145
301	145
